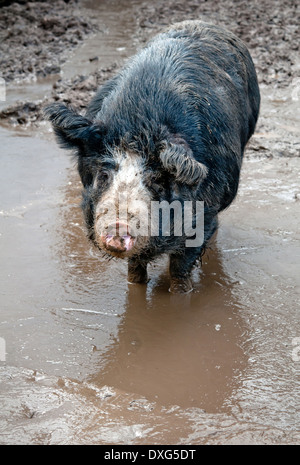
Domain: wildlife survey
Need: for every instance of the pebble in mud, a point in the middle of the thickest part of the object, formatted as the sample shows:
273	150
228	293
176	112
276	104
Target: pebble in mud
141	404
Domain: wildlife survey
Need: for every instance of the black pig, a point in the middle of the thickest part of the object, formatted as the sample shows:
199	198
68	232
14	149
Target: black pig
171	126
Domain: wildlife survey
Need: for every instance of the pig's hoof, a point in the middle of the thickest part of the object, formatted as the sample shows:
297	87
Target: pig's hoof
181	286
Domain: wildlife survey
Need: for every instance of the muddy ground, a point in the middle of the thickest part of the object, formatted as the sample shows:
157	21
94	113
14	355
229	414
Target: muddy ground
87	358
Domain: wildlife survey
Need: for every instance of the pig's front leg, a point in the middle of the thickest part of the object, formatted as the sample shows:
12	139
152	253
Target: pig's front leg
137	271
181	265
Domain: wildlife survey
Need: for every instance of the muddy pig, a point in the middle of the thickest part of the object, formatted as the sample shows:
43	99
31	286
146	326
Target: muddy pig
169	129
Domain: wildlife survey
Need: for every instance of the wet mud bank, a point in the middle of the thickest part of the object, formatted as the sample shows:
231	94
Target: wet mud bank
87	358
36	38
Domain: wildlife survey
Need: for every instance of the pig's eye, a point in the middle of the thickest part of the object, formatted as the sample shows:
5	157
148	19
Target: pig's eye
103	176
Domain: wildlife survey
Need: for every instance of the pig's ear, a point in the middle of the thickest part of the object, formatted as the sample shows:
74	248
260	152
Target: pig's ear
70	128
178	159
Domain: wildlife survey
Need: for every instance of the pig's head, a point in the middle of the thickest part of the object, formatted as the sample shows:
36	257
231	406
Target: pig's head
120	183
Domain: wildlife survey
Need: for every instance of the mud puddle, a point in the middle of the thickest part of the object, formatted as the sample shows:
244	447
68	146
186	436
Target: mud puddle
87	358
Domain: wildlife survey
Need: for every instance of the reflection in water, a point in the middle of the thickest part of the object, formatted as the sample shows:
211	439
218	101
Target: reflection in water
177	349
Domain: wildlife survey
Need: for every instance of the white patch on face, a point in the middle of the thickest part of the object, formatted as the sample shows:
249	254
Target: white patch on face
127	201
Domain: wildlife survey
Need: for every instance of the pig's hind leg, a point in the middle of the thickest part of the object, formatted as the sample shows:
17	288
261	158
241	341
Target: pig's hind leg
180	267
182	263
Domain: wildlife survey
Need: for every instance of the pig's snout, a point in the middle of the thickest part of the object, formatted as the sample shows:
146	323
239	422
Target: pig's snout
119	243
117	238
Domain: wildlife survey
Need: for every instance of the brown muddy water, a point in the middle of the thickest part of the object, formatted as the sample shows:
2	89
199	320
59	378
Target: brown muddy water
87	358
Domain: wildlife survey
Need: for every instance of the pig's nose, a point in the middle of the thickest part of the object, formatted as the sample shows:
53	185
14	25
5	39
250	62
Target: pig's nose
117	238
